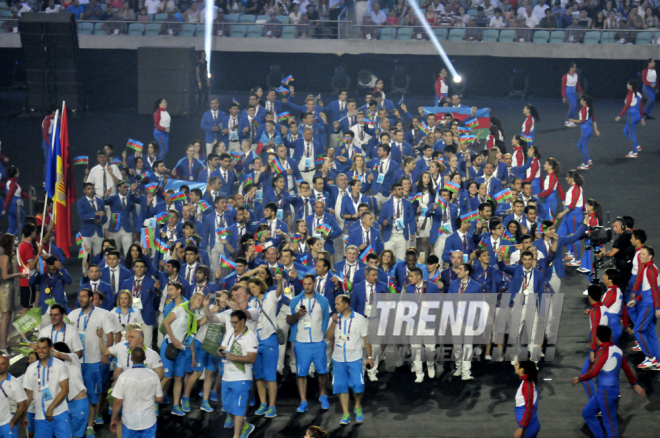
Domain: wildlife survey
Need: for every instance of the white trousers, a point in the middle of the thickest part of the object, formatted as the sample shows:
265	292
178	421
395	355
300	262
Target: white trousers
439	245
123	239
95	244
417	356
209	147
398	244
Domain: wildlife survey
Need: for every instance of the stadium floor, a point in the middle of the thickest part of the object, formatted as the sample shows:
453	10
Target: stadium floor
395	406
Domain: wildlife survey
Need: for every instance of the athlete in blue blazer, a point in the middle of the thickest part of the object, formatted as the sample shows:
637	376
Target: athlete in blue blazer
382	182
437	214
328	220
556	261
121	275
209	122
103	287
460	240
472	287
55	278
148	295
334	108
359	295
91	224
495	184
387	214
522	273
357	236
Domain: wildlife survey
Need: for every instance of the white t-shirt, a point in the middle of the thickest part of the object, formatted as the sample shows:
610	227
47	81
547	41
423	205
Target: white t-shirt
152	6
310	327
268	306
68	335
180	324
201	330
87	325
96	177
251	323
249	344
76	384
31	408
38	377
124	361
132	317
349	338
12	392
138	388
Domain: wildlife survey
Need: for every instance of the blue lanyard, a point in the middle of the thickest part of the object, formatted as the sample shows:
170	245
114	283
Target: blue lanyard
87	318
52	329
3	389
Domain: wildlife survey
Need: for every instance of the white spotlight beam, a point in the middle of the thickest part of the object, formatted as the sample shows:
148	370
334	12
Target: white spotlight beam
422	19
208	33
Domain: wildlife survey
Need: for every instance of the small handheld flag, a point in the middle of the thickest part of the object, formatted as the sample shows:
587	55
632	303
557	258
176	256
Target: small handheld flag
317	98
391	286
81	253
147	238
508	236
276	165
235	101
526	138
236	155
222	232
134	144
79	239
417	197
296	238
178	196
318	160
287	79
162	217
371	123
491	198
255	122
305	260
368	250
463	130
151	187
444	230
248	180
83	159
161	246
452	187
226	263
469	217
467	138
323	229
115	222
283	91
345	140
472	123
505	251
442	203
203	205
425	129
482	244
284	116
503	195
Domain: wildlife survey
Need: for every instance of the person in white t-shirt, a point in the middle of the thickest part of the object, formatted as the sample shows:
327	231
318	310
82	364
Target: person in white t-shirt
58	331
152	6
138	390
238	352
13	392
46	382
125	313
77	398
28	420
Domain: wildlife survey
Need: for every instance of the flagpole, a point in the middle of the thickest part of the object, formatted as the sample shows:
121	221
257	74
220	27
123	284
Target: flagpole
43	220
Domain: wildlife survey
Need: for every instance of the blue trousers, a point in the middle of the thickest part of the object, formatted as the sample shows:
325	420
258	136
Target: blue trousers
630	130
568	226
605	402
571	97
15	223
589	385
632	312
536	186
533	428
645	329
163	139
586	129
650	96
549	206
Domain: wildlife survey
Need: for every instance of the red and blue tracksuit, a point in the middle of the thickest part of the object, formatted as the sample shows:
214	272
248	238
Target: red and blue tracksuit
587	262
533	174
574	202
632	111
596	318
586	129
569	85
605	369
528	129
650	85
632	311
549	190
614	310
527	402
441	90
648	301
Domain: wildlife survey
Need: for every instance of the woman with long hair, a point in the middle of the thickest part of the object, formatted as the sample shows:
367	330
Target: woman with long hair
152	155
315	248
595	215
134	253
387	262
300	247
513	229
570	87
358	169
632	111
469	197
532	170
8	285
528	126
588	126
436	171
549	189
527	400
425	187
199	152
162	122
519	155
650	83
14	201
572	215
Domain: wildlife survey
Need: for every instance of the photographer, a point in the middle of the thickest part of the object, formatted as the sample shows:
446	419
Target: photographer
622	249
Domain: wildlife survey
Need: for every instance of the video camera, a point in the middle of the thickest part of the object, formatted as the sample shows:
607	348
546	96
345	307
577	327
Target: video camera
599	236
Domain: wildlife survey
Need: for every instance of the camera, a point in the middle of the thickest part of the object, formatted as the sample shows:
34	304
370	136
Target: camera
600	236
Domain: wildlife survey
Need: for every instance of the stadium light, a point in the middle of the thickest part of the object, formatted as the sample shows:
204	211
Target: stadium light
208	34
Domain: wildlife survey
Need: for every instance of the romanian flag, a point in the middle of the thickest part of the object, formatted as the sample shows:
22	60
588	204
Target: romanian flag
248	180
508	237
222	232
425	129
526	138
79	239
391	286
472	123
296	238
226	263
470	216
161	246
417	197
178	196
452	187
81	253
284	116
287	79
204	205
115	222
503	195
444	230
82	159
148	240
505	250
277	167
442	203
482	244
162	217
323	229
305	260
151	187
134	144
368	250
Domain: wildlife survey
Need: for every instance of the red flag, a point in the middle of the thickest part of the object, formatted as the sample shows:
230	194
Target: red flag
65	192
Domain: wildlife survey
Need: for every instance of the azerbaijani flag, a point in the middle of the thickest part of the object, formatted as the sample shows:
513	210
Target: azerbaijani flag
235	101
526	138
226	263
472	123
503	195
236	155
248	180
505	251
151	187
284	116
442	203
436	277
287	79
318	160
134	144
116	162
482	244
491	198
470	216
178	196
162	217
81	253
544	228
464	130
276	271
283	91
467	138
508	237
79	239
204	205
296	238
305	260
369	122
452	187
191	241
391	286
345	140
323	229
255	122
425	129
444	230
222	232
368	250
82	159
115	222
147	238
417	197
161	246
277	167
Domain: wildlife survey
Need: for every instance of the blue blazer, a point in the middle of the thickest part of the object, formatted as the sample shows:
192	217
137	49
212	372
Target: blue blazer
517	274
472	288
409	222
430	288
447	276
281	225
454	243
557	262
400	273
150	298
339	267
359	277
388	179
342	151
208	124
345	125
355	237
124	274
56	283
227	188
485	237
495	184
211	288
487	279
334	112
109	299
242	124
347	206
284	203
87	215
436	214
359	295
299	151
335	231
127	213
407	151
183	169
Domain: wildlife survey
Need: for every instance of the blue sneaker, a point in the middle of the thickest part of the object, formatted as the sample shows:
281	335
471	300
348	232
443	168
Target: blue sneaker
206	407
185	404
247	430
253	401
271	412
262	409
90	432
345	419
359	416
166	400
229	422
214	396
98	419
324	402
176	410
302	407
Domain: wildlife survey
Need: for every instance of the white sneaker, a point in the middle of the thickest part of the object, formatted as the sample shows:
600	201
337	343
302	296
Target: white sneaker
420	378
488	357
457	372
515	360
477	351
431	371
541	354
649	363
467	376
636	347
500	359
631	155
372	376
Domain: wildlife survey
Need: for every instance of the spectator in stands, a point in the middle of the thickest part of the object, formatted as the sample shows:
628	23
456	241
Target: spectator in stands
114	4
254	7
481	20
171	25
530	20
76	9
574	32
143	17
377	16
165	5
22	7
626	36
489	9
625	9
557	10
438	7
472	33
612	21
498	20
271	6
235	7
368	31
126	13
574	10
11	25
335	7
303	26
272	29
392	19
650	19
153	6
52	8
549	21
592	8
635	21
401	10
221	25
113	25
539	10
445	19
462	19
192	14
584	20
295	15
565	19
312	15
523	8
599	21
